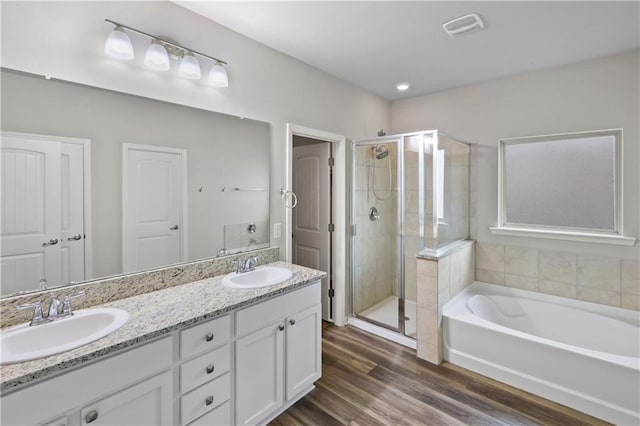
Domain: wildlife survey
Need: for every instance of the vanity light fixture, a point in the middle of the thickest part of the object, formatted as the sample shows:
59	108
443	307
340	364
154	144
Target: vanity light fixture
159	54
118	45
402	87
190	67
157	57
218	76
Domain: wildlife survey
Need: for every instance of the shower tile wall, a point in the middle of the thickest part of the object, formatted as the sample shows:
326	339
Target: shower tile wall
376	242
604	280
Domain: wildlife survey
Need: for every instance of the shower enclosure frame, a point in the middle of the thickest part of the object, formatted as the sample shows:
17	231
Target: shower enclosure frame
427	137
395	139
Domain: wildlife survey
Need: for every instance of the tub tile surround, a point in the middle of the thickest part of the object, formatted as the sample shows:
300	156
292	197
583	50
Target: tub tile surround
438	281
120	287
603	280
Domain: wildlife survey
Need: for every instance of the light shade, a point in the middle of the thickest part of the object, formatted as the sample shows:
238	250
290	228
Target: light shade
189	67
218	76
118	45
157	57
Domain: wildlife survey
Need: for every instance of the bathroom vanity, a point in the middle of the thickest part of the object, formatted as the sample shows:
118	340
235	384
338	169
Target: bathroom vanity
195	354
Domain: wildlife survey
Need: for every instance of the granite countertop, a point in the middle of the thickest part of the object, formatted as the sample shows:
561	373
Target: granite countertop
154	314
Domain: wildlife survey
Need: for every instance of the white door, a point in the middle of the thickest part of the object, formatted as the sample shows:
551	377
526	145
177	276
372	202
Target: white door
147	403
259	374
304	350
30	216
72	232
311	217
153	211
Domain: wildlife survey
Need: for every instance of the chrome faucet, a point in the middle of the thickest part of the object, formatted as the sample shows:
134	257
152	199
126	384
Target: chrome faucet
54	309
248	265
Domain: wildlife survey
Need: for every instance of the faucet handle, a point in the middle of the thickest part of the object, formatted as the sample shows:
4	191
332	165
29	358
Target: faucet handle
37	312
66	307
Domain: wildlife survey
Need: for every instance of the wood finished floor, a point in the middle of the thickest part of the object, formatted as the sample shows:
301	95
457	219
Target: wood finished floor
367	380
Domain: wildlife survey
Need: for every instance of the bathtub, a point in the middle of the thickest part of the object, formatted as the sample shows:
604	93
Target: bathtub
579	354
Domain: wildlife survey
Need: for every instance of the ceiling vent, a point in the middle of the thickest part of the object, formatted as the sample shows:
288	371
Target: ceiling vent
463	25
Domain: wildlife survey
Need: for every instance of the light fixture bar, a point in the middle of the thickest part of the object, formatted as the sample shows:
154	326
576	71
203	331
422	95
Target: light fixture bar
186	49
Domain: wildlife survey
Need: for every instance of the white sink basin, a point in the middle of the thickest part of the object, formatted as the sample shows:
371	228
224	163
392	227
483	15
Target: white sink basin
24	342
261	277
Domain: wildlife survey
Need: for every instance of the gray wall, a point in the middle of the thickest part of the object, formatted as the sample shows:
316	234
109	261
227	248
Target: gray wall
66	40
597	94
222	150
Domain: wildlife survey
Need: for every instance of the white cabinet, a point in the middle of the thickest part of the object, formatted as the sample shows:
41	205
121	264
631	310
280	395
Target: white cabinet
259	374
277	363
304	350
59	401
147	403
205	381
242	368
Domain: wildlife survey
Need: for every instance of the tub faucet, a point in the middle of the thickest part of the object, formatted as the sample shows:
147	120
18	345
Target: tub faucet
248	265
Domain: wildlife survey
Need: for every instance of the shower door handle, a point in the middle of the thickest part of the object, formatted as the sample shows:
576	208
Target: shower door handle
174	228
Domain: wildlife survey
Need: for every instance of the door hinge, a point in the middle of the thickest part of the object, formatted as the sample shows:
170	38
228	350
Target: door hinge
332	227
332	161
353	230
332	292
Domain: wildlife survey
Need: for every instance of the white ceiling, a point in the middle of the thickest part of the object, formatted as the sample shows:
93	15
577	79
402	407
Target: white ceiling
375	45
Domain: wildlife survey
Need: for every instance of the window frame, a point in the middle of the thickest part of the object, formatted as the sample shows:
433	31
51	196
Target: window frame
613	236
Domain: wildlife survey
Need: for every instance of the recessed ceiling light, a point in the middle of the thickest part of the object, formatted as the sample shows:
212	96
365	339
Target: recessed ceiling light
402	87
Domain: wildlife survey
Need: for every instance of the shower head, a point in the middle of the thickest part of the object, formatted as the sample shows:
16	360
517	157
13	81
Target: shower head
380	151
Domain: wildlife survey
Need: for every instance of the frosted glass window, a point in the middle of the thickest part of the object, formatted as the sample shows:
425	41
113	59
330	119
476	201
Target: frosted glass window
561	181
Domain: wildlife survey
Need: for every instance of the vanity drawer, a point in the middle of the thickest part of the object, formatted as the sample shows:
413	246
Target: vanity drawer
194	404
204	368
220	416
256	316
205	336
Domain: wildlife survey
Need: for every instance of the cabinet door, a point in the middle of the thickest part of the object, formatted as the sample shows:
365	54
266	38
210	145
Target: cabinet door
147	403
259	374
304	350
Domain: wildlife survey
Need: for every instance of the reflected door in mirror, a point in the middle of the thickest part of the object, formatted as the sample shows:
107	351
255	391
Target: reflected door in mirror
153	200
42	206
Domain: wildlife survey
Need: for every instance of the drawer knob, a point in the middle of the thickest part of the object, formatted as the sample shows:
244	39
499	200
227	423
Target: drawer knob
91	416
281	327
208	337
210	369
209	400
292	322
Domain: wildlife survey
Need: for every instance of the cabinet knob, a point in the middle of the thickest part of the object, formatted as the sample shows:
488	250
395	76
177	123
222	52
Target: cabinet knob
208	337
292	322
91	416
210	369
209	400
281	327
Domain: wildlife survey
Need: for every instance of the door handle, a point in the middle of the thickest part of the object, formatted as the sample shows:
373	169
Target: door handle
51	242
75	237
174	228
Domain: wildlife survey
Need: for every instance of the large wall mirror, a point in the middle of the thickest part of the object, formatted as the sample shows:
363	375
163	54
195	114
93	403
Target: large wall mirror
97	183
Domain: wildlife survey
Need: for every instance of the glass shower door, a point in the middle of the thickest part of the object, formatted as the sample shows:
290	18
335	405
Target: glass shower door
376	246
